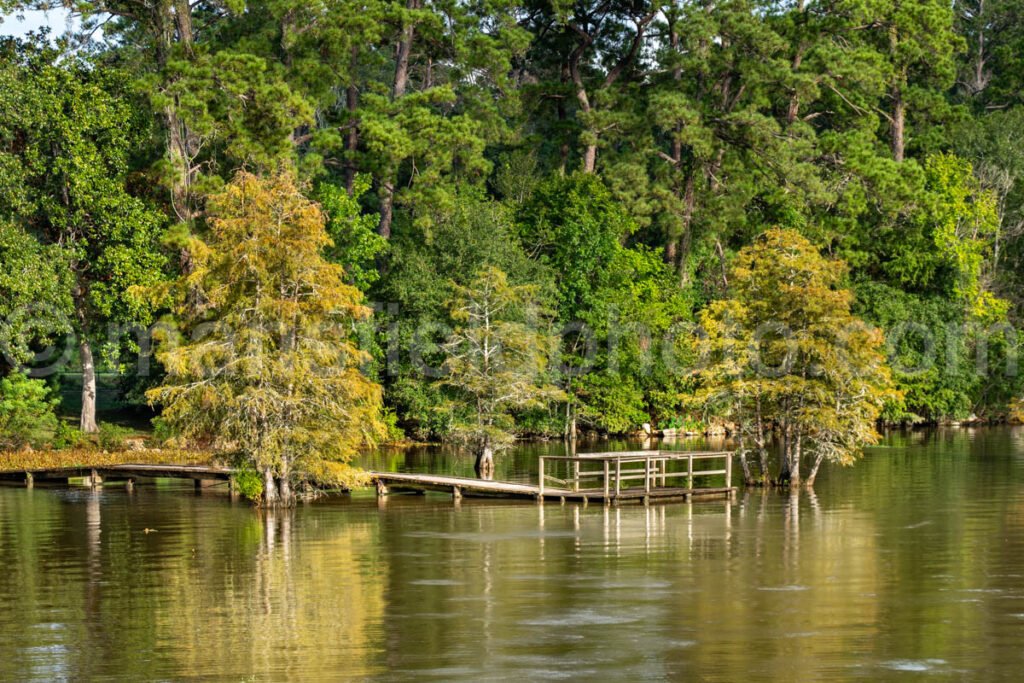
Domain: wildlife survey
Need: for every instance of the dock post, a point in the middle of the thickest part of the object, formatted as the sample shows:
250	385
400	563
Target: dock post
618	477
606	480
575	475
728	473
647	477
95	479
129	485
456	493
540	477
382	490
689	472
29	480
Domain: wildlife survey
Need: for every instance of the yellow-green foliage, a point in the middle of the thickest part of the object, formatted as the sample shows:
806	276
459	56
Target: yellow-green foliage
275	375
21	461
784	356
1017	412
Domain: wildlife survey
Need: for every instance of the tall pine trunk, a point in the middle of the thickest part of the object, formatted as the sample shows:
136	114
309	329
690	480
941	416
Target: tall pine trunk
398	88
899	115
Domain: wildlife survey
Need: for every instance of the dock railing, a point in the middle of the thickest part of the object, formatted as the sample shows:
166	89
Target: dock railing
613	469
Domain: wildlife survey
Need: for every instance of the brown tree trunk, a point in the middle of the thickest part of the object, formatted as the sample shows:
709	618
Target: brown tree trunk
352	136
387	206
401	83
898	122
686	238
181	143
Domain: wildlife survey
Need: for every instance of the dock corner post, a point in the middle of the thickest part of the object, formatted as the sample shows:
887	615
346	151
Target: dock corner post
728	472
382	489
689	472
129	485
457	493
618	477
606	479
647	477
29	480
94	478
540	478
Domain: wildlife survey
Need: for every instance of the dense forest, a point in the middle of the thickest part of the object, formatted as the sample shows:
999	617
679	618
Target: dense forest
596	166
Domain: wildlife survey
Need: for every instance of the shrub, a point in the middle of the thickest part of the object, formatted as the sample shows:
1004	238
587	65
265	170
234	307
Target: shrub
112	437
67	437
27	415
249	483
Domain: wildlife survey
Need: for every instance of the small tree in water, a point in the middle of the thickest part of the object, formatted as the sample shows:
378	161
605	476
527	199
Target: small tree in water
496	360
788	363
271	373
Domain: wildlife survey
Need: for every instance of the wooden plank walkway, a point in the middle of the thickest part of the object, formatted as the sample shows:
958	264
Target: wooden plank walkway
130	472
459	487
635	475
614	476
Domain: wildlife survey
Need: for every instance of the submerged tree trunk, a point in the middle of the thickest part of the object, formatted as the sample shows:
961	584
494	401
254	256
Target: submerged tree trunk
794	467
748	478
286	498
87	422
784	467
485	462
270	495
809	482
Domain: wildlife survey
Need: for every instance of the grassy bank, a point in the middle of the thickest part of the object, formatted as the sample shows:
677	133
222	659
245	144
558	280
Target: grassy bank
23	460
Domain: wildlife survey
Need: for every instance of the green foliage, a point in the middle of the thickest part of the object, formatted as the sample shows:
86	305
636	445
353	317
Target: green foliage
249	483
27	416
617	305
356	245
35	297
616	156
112	437
67	437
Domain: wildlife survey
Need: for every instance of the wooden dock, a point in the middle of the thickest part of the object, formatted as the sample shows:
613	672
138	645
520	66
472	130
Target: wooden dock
587	477
201	474
600	477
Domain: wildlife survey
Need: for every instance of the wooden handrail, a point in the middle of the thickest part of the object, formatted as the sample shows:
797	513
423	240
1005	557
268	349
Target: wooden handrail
649	466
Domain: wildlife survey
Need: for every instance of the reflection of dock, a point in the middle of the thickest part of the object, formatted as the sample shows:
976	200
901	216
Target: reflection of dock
605	477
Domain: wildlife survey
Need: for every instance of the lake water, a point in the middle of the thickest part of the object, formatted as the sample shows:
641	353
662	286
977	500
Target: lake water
909	565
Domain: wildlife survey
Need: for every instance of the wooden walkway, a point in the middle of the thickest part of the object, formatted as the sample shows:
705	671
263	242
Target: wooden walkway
598	477
635	475
201	474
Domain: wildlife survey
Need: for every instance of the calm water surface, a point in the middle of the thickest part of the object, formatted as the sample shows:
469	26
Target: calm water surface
908	566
